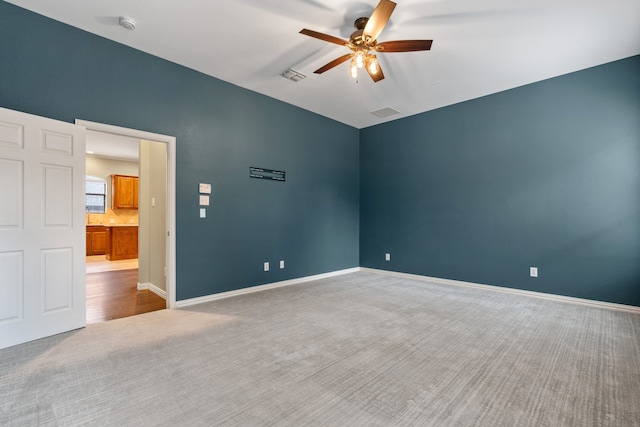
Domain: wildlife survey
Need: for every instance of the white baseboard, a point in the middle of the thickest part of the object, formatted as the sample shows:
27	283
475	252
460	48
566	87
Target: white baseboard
561	298
153	288
260	288
534	294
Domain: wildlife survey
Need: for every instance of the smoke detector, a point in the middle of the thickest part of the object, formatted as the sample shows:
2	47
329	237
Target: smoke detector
127	23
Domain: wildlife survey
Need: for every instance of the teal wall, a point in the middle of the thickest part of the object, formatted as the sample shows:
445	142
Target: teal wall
545	175
311	220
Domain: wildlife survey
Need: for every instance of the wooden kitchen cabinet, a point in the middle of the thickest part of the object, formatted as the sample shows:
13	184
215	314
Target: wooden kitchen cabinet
122	242
96	240
124	192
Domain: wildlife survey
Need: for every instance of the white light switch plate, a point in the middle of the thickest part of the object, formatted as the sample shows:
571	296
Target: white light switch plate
533	271
205	188
203	213
266	266
204	200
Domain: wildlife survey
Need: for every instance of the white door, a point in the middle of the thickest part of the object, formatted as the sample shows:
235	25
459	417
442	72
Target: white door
42	227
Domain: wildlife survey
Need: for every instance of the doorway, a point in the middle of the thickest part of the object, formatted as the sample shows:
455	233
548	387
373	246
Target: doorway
155	273
126	226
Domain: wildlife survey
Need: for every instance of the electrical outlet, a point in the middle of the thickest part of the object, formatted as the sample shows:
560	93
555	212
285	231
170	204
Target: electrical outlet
533	271
266	266
387	257
282	264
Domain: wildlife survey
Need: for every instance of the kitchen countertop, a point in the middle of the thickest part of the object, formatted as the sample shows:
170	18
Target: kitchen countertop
112	225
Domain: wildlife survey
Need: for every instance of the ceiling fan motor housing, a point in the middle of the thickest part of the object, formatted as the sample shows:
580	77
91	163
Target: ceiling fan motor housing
356	38
360	23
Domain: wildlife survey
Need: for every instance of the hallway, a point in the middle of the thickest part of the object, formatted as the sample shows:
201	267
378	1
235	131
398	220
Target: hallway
112	291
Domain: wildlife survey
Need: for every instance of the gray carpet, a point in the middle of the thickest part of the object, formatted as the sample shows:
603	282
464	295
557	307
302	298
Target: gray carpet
359	349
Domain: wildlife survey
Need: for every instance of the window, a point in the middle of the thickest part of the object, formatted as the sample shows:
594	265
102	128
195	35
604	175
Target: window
96	192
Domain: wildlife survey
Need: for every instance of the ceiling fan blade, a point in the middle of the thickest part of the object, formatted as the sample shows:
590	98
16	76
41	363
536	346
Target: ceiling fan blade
404	46
333	63
325	37
377	76
378	20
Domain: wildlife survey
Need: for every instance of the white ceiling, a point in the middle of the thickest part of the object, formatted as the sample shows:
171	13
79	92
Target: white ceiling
110	146
480	47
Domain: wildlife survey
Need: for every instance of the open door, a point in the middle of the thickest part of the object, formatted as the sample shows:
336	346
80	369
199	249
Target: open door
42	235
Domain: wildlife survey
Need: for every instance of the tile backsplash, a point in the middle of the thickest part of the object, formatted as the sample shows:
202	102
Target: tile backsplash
119	216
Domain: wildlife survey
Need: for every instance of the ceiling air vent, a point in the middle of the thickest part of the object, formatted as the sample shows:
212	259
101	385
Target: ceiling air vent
293	75
385	112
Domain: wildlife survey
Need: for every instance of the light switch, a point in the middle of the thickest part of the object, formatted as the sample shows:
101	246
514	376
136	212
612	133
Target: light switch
205	188
204	200
203	213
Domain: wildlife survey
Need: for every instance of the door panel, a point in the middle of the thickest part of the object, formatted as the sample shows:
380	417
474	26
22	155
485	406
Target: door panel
42	243
57	194
57	143
56	279
11	294
11	195
11	135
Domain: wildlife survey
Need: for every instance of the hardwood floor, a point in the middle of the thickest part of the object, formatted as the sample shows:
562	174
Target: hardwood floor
115	294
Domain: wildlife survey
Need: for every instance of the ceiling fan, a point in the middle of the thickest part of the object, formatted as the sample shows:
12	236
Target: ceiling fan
364	41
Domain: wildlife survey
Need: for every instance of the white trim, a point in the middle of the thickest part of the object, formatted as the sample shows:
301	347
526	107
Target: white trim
552	297
153	288
171	192
260	288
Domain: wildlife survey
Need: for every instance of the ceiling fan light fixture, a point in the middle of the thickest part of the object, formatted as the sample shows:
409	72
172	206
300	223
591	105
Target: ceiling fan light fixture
354	68
365	40
372	64
359	57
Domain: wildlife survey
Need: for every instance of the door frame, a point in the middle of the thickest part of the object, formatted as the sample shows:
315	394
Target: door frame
171	192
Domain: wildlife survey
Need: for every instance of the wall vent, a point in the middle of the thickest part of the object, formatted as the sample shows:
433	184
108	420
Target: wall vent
293	75
385	112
